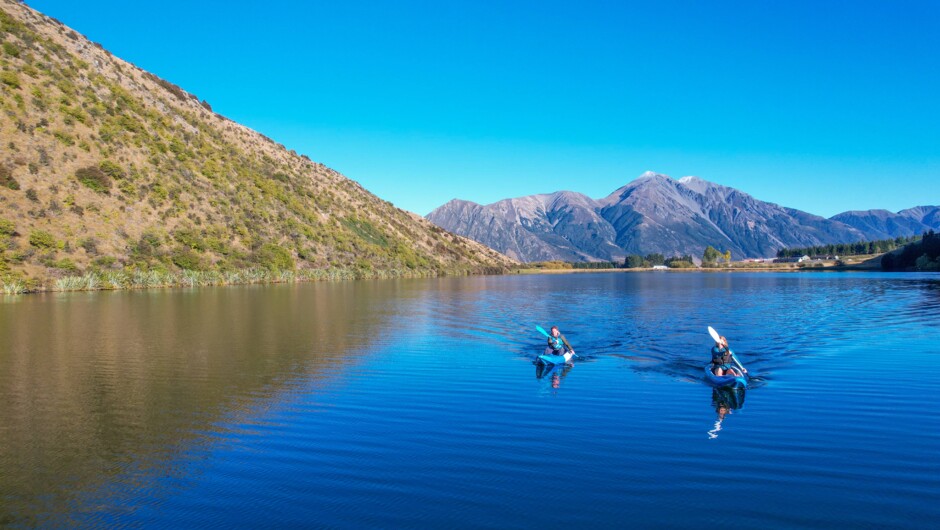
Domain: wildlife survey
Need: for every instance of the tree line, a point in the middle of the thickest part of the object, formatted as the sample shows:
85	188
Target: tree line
848	249
595	265
922	255
632	261
712	256
635	261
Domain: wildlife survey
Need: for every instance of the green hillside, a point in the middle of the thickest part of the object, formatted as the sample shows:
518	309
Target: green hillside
113	175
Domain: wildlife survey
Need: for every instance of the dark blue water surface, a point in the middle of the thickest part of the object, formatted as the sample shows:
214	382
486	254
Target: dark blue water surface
416	403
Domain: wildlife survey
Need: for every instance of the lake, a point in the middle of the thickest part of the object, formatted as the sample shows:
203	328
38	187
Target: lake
417	403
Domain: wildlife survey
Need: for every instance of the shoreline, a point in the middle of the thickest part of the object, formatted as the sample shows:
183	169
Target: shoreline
868	264
124	281
697	269
121	280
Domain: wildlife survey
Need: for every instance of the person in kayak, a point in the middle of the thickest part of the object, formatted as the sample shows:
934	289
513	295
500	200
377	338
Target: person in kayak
557	343
722	359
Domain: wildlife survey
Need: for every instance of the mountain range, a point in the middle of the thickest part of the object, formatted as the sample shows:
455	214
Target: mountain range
658	214
107	167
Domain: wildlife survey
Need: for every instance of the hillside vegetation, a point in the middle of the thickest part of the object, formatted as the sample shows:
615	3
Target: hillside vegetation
849	249
119	177
923	255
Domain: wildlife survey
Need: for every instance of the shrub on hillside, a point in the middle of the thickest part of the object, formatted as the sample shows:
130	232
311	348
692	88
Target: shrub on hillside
7	180
7	228
104	262
66	265
212	169
64	137
128	188
190	238
187	259
148	245
274	257
42	239
90	245
178	92
10	79
73	113
10	49
94	178
111	169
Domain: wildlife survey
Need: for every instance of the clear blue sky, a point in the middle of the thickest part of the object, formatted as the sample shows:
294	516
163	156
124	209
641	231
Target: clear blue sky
824	106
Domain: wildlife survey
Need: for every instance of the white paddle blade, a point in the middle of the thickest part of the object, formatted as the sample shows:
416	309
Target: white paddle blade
714	334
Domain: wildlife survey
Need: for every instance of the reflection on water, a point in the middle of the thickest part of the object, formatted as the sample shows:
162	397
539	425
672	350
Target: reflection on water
551	376
410	403
725	400
97	386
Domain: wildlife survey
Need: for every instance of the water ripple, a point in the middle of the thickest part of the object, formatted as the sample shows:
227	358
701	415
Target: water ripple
417	404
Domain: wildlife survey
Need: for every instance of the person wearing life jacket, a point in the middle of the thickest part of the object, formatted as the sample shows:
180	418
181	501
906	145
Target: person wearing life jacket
723	359
557	343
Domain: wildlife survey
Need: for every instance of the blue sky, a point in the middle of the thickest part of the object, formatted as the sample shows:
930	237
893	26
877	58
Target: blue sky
824	106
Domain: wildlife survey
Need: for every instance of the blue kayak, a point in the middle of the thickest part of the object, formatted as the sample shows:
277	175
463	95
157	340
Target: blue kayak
723	380
556	359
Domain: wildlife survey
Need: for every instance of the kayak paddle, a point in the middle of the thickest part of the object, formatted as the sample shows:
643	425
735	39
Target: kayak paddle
543	332
717	337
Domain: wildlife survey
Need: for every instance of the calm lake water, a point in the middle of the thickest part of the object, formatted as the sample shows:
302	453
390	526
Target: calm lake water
416	403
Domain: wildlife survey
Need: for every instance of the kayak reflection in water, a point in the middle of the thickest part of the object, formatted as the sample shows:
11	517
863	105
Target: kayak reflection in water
552	374
722	359
557	343
725	400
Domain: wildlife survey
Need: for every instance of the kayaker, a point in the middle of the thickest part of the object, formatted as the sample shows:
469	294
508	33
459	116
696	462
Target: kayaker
722	359
557	343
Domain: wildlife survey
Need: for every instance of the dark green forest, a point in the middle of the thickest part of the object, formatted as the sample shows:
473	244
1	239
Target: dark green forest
923	255
634	261
848	249
595	265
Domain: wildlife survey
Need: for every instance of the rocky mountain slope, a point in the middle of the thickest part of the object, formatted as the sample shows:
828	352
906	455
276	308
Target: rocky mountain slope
107	167
562	225
654	213
882	224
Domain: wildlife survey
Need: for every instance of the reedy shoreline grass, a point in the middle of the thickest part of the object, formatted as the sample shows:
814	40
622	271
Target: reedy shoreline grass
12	287
119	280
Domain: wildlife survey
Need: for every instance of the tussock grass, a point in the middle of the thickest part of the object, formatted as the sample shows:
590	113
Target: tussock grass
114	280
86	282
12	287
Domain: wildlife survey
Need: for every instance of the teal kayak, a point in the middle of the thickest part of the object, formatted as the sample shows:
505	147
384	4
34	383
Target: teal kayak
723	380
556	359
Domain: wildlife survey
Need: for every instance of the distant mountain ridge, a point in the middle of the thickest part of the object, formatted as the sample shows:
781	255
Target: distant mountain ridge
656	213
882	224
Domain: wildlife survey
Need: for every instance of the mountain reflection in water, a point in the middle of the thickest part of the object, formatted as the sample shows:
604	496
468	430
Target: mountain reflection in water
411	403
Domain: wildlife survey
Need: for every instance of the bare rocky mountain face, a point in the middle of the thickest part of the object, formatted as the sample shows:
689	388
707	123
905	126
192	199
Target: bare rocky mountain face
563	225
882	224
109	170
654	213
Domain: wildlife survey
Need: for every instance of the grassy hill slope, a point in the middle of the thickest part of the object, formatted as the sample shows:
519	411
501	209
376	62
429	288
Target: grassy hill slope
111	173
